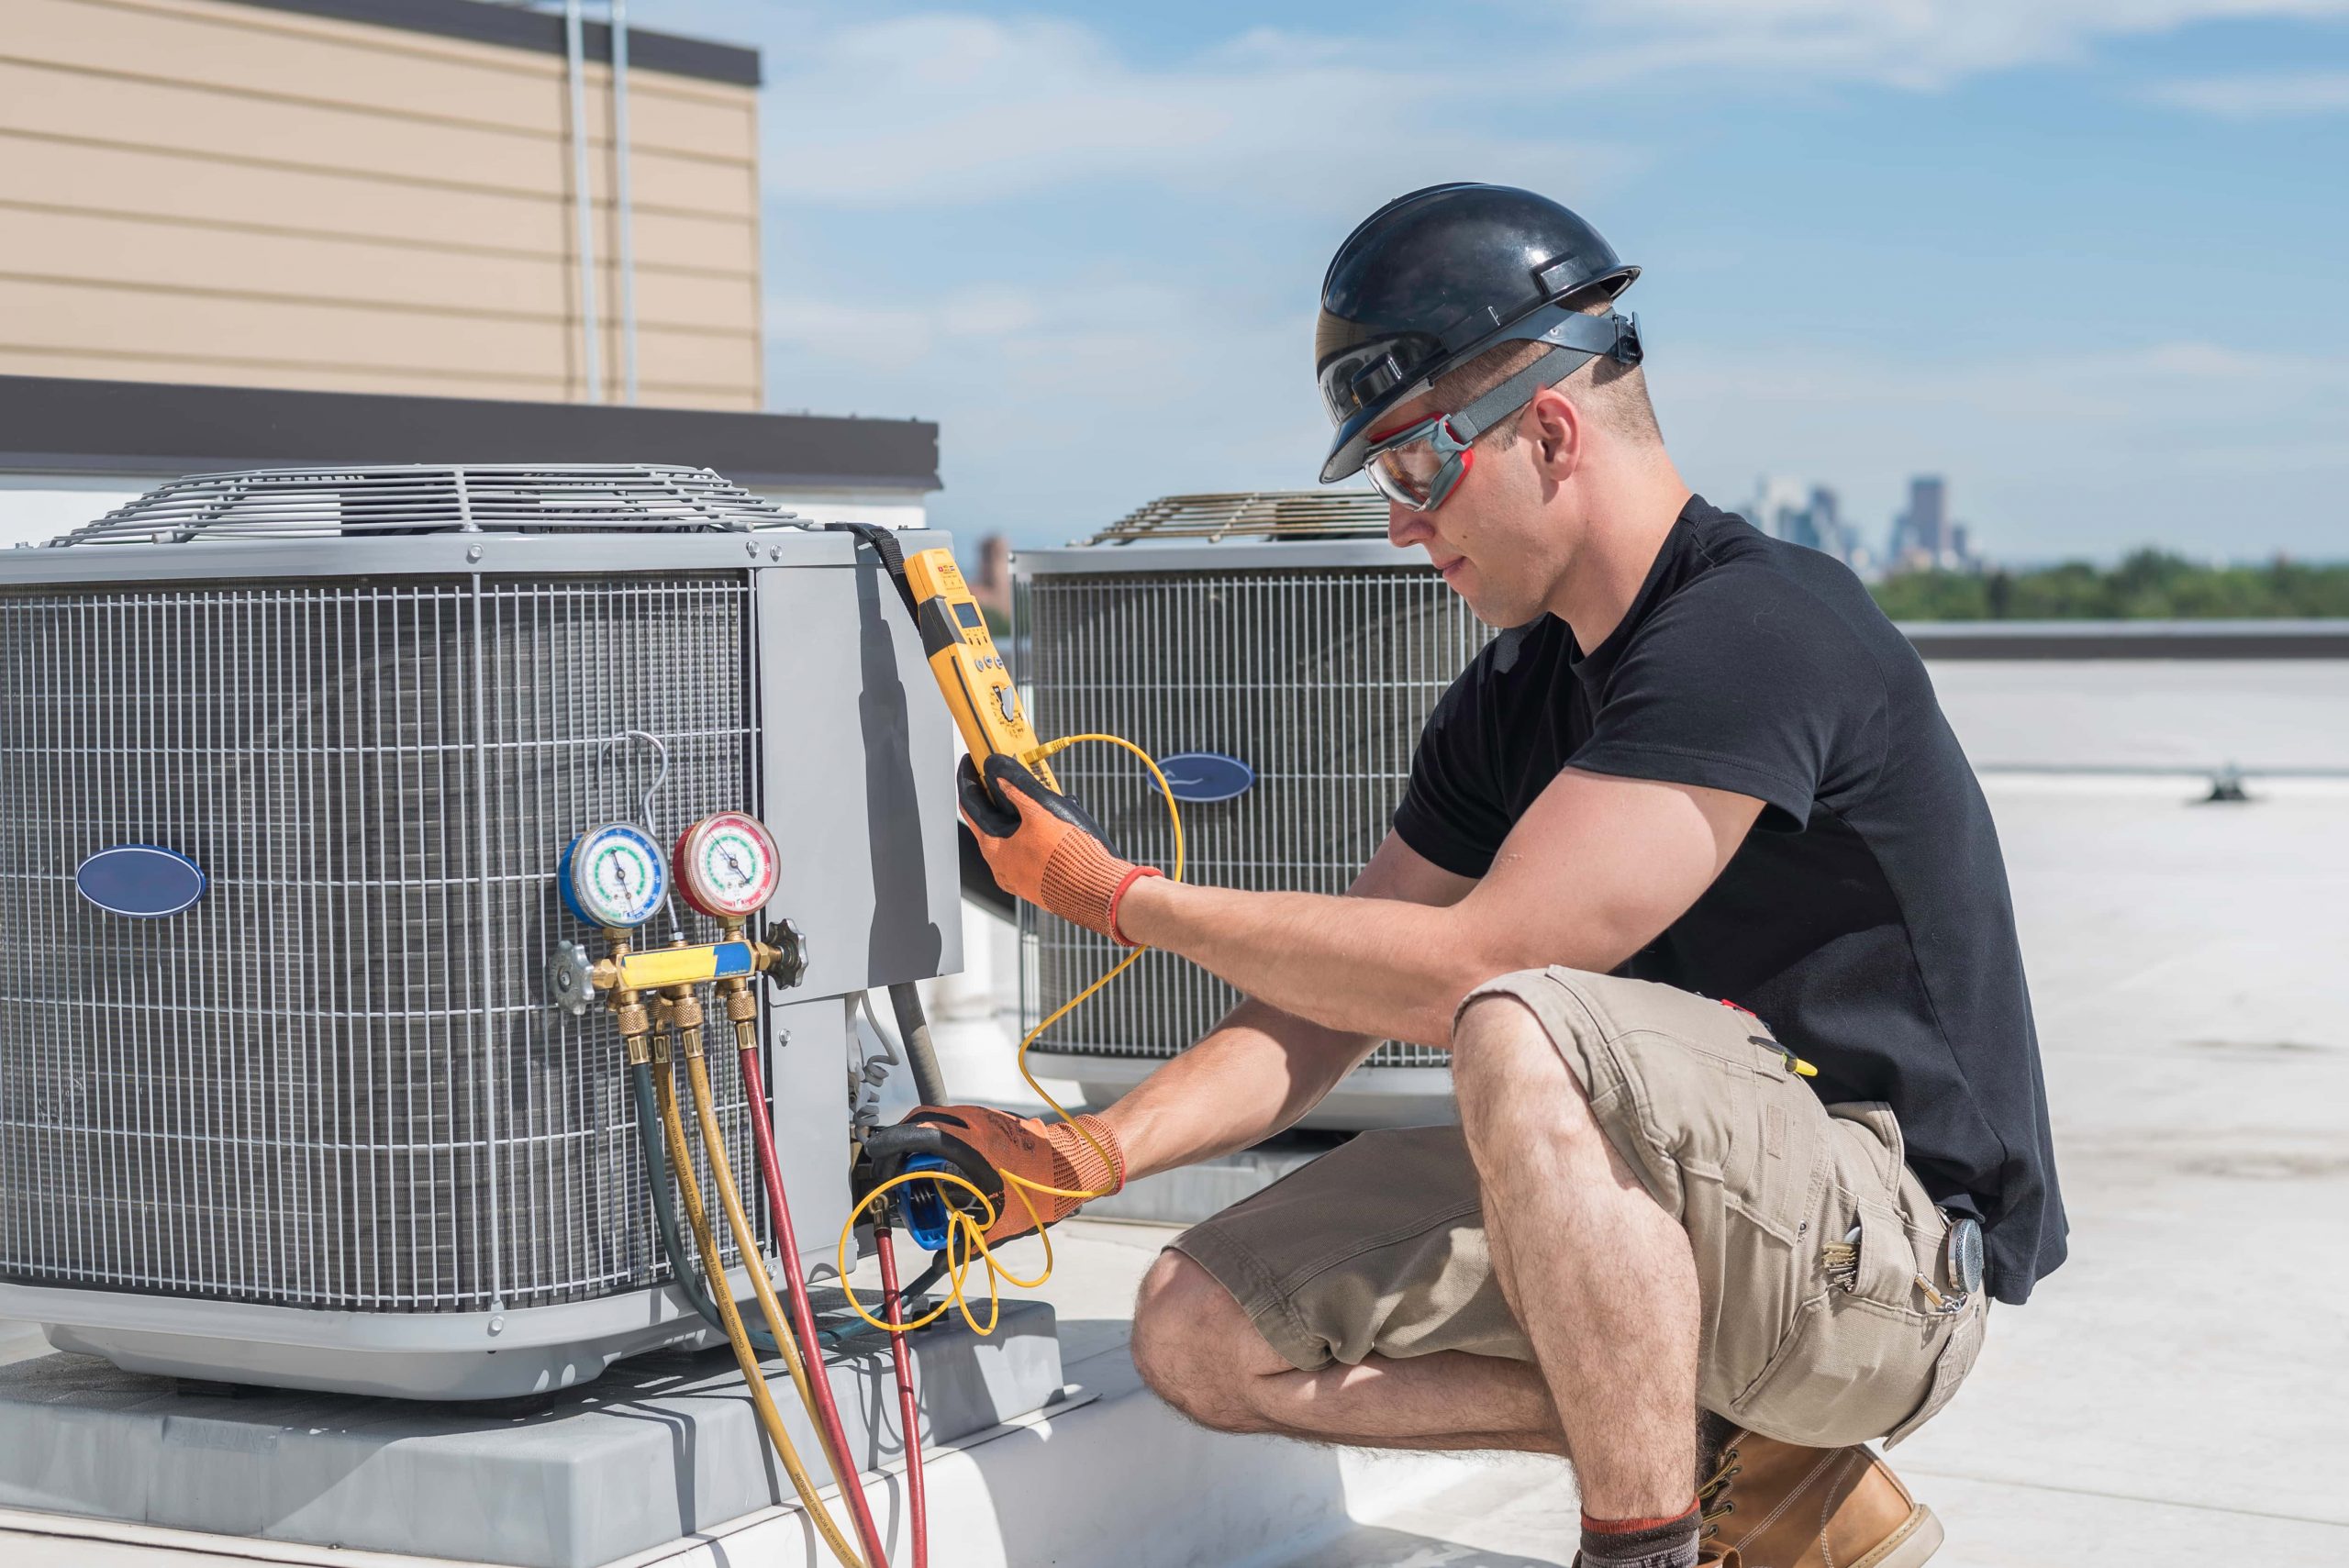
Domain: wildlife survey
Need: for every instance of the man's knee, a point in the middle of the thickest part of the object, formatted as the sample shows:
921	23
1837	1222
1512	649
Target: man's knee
1494	1024
1521	1105
1187	1330
1503	1057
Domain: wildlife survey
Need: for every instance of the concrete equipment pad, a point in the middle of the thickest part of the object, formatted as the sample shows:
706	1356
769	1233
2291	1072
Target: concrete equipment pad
660	1447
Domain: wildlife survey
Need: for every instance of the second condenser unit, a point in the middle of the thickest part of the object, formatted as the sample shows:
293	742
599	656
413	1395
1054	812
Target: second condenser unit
1279	657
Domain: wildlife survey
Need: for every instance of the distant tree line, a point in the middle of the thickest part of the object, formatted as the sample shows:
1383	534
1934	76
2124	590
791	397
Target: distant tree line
2148	585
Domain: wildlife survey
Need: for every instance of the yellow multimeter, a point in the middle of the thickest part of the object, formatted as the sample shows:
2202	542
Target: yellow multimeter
970	672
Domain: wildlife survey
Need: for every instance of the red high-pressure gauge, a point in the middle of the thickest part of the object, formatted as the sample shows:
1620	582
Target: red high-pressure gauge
727	865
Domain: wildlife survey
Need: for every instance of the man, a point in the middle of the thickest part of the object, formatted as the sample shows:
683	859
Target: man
1702	773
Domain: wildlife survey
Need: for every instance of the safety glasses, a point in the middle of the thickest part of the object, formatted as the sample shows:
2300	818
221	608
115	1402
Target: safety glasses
1417	466
1420	464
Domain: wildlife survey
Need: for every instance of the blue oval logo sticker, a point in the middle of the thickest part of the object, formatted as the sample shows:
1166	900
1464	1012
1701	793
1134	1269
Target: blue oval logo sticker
145	882
1199	777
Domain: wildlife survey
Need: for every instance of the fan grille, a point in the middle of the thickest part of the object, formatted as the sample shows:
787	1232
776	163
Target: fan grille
1254	514
331	502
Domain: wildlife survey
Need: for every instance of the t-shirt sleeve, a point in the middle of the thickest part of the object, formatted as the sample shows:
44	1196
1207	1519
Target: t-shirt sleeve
1453	811
1749	685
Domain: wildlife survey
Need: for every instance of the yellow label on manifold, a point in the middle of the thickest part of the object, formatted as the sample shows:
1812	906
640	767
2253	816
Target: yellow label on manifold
668	966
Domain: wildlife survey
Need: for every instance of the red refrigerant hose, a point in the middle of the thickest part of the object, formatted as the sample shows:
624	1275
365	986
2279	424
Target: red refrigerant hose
909	1411
803	1317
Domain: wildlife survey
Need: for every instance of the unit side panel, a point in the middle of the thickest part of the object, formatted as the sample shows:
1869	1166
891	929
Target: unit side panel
858	778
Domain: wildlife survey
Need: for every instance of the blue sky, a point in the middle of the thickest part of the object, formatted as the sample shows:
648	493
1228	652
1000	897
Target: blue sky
2086	258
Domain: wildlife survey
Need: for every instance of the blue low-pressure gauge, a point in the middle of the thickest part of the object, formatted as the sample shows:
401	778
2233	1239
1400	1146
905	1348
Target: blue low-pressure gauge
613	877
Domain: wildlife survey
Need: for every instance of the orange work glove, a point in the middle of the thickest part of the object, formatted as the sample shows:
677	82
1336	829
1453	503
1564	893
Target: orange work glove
995	1144
1045	848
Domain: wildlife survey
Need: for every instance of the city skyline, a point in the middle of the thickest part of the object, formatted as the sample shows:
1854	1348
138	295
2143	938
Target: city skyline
1923	535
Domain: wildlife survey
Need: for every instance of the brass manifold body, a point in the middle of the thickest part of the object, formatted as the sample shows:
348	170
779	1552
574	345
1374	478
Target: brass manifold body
624	975
671	976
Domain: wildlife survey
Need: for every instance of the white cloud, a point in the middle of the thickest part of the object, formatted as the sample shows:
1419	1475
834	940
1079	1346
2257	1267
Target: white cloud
1114	395
2273	96
959	109
1141	364
1920	44
1110	394
895	337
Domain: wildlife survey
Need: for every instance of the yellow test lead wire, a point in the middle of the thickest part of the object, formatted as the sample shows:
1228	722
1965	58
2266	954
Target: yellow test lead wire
960	1228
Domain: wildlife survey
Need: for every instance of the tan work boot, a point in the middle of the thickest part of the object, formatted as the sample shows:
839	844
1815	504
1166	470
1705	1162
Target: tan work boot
1772	1504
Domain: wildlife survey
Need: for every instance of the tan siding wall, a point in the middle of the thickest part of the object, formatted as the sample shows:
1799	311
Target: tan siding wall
195	189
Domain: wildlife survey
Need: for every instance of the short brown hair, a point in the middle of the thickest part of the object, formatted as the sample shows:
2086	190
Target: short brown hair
1613	393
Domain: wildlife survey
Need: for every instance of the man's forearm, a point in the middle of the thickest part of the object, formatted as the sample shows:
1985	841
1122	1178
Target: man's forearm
1369	966
1252	1076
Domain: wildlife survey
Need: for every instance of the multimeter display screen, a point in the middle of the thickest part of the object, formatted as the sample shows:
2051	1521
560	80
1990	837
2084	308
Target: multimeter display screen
968	614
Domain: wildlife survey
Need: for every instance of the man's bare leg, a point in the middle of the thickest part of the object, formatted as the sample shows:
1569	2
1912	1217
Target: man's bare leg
1202	1354
1599	1276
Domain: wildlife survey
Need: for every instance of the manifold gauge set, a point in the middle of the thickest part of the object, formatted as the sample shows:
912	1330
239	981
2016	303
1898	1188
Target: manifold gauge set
616	879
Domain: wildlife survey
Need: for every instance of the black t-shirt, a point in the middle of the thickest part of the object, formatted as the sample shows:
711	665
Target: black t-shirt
1867	917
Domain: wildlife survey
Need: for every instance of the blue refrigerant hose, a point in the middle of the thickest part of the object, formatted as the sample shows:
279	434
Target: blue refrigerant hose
664	1215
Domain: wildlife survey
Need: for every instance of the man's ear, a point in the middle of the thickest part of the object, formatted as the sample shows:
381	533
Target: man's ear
1557	426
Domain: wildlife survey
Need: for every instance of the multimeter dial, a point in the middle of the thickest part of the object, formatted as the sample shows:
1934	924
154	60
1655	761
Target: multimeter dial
727	865
613	877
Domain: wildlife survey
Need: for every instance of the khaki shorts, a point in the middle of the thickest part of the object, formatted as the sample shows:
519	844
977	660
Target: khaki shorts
1378	1246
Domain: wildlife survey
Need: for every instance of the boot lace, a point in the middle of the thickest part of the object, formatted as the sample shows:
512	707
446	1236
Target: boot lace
1713	1501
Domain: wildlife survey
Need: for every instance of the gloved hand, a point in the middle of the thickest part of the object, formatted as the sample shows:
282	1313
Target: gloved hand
985	1145
1045	848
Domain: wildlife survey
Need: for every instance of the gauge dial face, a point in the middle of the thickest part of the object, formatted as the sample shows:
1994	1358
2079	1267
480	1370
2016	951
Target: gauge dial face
727	865
615	877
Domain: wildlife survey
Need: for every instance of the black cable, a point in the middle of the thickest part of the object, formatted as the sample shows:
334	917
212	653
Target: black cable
922	1056
979	884
893	557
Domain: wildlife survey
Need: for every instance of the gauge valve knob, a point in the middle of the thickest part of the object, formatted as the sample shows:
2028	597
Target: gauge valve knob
790	965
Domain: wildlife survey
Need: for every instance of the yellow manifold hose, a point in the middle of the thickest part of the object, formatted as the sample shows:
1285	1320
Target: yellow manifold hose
747	1242
681	1161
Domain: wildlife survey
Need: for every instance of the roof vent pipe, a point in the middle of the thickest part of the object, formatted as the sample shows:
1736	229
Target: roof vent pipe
626	214
584	202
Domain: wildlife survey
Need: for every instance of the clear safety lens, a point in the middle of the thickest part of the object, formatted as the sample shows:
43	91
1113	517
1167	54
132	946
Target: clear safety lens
1415	467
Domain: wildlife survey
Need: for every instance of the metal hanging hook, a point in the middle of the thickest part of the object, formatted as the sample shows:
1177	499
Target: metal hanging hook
645	807
660	752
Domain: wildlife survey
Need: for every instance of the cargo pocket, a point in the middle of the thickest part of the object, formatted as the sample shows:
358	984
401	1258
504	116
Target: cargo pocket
1861	1354
1891	1230
1958	1355
1848	1373
1778	1162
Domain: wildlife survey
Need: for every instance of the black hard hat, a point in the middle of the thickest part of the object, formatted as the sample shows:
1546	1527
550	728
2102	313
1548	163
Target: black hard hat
1434	279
